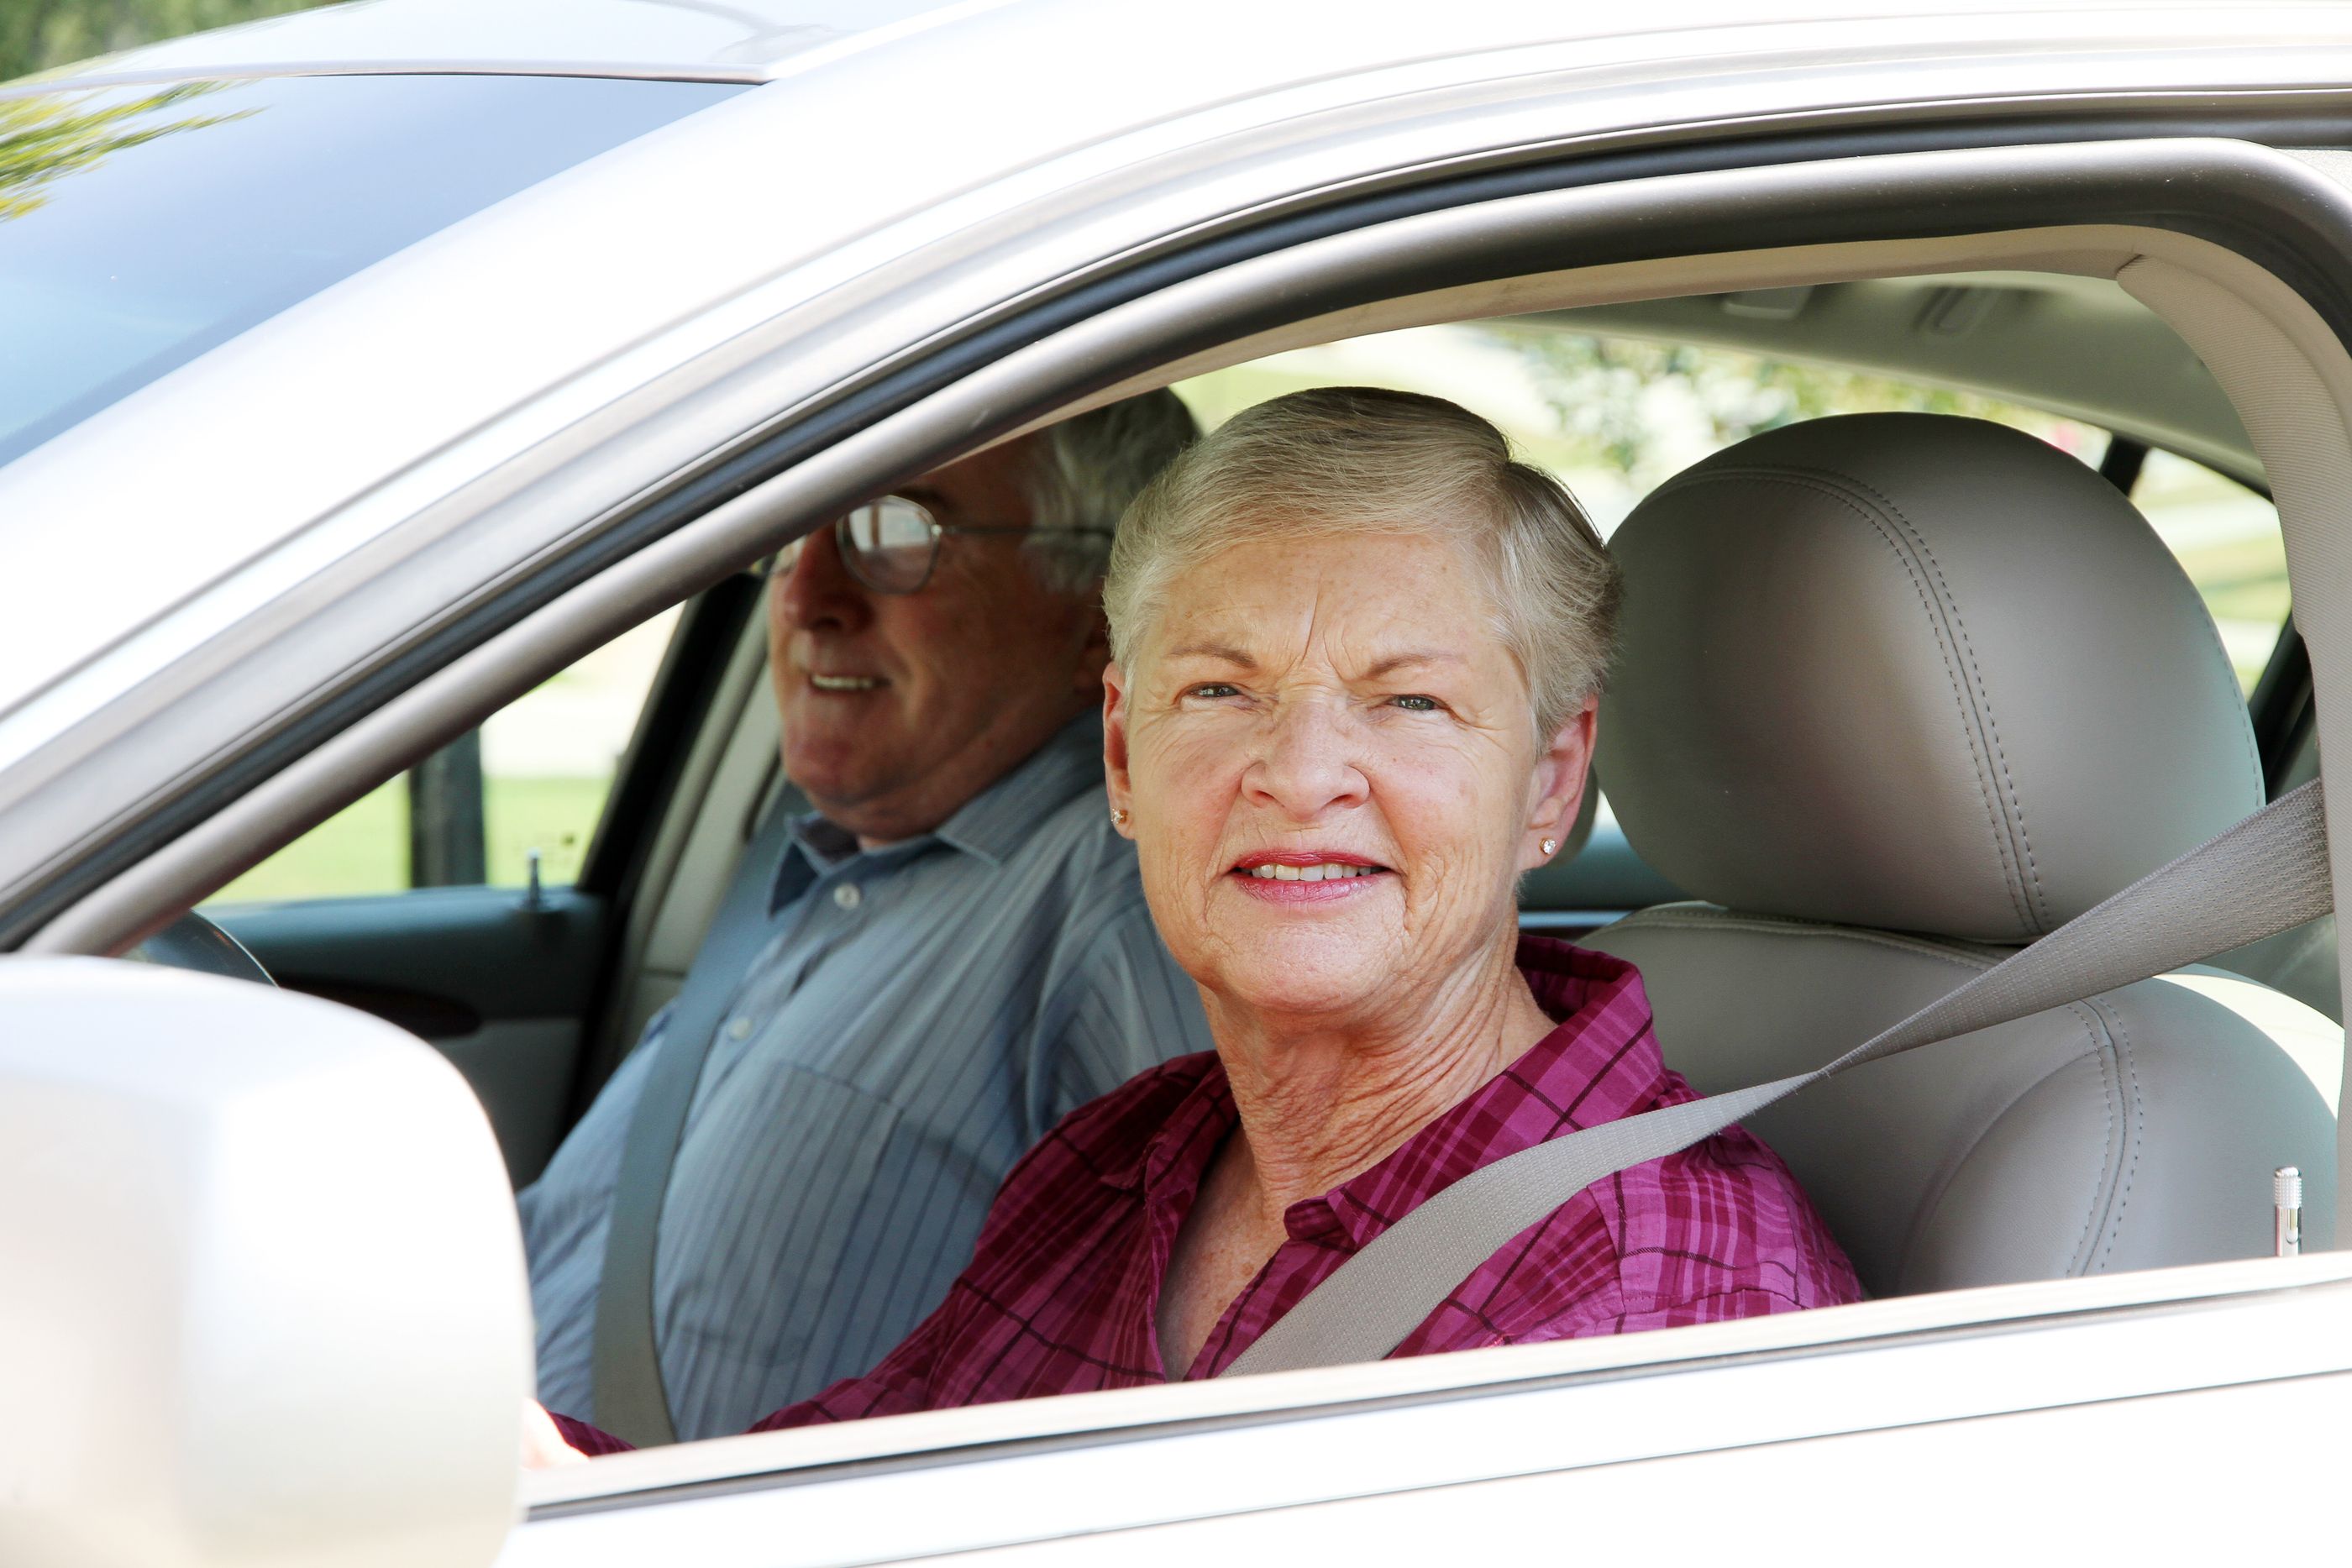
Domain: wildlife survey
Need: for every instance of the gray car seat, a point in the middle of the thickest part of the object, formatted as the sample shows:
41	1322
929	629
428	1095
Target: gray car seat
1897	693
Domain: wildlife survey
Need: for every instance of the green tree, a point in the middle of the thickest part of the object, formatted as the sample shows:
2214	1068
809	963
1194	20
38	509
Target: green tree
38	35
46	136
1604	390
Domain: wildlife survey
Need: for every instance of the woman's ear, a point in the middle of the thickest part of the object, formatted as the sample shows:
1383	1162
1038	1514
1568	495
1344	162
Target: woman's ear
1094	651
1115	780
1562	773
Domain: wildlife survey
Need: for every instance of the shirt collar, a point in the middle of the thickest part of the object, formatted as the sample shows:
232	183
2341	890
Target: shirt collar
1600	1064
997	821
993	825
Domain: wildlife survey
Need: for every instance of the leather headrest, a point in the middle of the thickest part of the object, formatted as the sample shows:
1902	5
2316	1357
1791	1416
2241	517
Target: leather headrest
1913	672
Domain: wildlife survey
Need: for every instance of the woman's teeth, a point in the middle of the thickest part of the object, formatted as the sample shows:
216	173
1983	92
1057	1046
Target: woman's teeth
844	682
1324	871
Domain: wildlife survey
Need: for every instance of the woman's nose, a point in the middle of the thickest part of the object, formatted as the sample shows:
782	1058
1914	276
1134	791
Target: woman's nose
815	592
1307	762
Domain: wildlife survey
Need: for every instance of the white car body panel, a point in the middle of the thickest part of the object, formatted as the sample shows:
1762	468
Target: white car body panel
2272	1337
547	326
481	341
2178	1478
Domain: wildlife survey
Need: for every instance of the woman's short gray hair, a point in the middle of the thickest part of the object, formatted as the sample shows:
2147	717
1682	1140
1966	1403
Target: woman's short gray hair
1359	460
1084	473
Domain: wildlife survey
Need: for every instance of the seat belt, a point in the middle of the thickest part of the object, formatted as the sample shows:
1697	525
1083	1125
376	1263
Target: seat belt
2266	874
625	1362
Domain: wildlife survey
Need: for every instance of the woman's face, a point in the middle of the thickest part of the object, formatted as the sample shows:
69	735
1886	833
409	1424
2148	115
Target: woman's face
1332	773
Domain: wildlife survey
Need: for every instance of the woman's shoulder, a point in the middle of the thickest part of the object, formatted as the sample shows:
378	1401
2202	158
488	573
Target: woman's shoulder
1111	1134
1144	1102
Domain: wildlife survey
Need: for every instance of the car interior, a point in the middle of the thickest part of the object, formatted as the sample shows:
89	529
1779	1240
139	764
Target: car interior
2117	1133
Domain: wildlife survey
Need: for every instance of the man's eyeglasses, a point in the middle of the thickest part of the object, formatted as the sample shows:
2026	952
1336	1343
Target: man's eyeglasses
892	544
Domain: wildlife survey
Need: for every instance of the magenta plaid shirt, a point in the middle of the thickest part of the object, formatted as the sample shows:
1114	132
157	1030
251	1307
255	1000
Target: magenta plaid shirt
1061	1293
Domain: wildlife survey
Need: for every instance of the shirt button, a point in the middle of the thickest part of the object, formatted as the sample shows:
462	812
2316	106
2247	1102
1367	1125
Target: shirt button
846	894
739	1028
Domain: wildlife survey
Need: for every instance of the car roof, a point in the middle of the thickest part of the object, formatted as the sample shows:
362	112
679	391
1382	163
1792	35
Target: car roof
512	324
757	40
2081	347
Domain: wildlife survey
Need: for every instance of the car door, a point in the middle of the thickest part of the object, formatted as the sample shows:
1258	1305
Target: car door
1089	1467
2141	1392
481	900
1173	1470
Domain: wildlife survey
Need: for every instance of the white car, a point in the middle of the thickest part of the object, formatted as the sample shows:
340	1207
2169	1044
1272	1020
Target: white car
363	370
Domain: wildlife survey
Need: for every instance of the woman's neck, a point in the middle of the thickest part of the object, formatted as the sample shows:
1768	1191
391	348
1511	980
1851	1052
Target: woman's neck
1323	1101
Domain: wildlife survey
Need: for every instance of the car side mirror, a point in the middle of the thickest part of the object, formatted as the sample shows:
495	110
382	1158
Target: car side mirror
262	1294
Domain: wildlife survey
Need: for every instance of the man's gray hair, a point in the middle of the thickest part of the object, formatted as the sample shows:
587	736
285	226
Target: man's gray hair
1338	461
1085	474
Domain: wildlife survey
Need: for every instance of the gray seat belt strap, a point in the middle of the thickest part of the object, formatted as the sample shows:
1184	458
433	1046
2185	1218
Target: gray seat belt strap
2266	874
625	1365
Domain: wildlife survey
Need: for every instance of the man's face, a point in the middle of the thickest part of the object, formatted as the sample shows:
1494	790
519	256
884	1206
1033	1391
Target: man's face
928	697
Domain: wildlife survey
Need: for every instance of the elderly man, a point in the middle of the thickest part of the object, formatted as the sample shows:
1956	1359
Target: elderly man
946	954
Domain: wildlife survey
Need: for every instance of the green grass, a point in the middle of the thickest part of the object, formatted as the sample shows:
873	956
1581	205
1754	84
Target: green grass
556	816
363	848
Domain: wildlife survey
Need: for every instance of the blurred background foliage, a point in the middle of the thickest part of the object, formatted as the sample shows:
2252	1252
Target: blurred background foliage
46	136
36	35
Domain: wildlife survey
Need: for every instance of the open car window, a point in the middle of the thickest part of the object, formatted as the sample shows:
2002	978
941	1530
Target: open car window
523	792
1615	416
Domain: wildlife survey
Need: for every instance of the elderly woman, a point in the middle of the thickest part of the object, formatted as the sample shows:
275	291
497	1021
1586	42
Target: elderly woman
1357	654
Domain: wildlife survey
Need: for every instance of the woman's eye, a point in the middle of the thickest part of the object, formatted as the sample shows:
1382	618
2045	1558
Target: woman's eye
1417	704
1213	690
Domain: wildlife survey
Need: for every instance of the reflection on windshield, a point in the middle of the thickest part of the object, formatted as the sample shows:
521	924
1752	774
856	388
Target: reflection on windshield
140	227
49	135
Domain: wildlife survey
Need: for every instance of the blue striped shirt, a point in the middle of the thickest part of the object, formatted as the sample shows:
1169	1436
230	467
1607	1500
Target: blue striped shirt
920	1015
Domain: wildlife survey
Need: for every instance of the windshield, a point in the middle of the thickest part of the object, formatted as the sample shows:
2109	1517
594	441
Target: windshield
141	226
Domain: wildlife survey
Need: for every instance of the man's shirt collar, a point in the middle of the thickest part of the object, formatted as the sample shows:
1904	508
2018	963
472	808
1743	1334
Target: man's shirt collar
993	825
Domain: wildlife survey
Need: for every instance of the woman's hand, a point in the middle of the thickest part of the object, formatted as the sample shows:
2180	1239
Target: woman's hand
543	1447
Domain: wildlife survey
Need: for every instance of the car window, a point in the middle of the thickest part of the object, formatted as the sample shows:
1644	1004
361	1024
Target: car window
2227	539
141	226
1615	417
534	777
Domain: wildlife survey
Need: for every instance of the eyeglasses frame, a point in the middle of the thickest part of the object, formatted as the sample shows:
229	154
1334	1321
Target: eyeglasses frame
850	554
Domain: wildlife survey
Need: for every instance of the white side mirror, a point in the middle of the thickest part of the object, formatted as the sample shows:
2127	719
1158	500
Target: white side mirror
262	1297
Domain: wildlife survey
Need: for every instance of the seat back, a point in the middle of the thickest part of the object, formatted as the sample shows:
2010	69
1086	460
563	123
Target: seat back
2135	1130
1895	694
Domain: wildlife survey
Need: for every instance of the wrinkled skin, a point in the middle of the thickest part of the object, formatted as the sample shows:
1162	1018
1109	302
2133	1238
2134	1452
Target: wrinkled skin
1323	740
1345	698
975	672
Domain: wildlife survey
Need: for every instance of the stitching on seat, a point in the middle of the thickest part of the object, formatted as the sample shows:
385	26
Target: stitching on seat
1714	917
2109	1087
1932	1200
2122	1032
2099	1025
1820	482
1984	692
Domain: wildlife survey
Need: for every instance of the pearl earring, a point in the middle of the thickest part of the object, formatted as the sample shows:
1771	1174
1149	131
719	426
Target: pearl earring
1118	818
1550	845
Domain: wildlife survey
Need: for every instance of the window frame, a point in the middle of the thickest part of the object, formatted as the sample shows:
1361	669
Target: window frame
832	449
945	398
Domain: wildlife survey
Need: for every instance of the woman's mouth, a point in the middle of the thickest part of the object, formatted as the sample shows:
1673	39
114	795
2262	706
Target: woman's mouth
1299	875
1322	871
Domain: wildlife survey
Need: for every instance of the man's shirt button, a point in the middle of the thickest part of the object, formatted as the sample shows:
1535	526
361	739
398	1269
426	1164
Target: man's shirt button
846	894
739	1028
